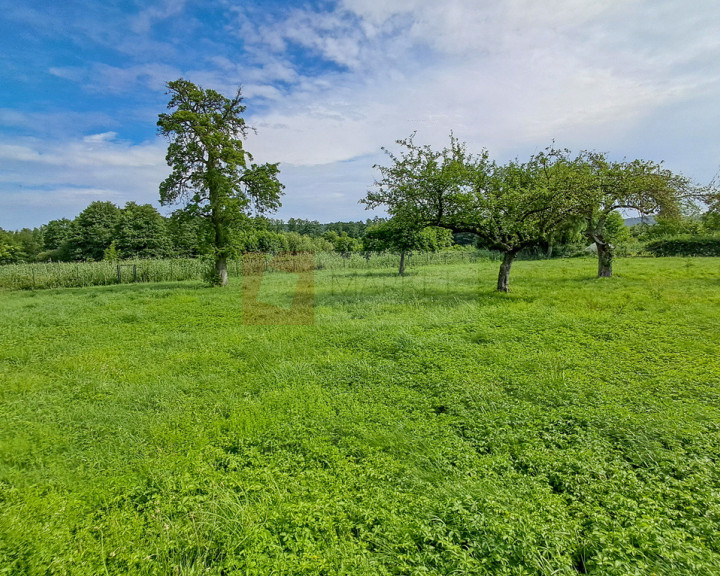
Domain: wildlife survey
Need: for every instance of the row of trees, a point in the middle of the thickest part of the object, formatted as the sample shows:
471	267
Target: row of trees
429	194
105	231
213	176
136	231
315	228
517	205
510	206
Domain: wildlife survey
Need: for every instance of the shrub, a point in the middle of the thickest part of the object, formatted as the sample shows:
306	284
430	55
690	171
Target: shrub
685	246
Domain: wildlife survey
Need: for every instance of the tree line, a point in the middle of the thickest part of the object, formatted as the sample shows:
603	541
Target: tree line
104	231
509	207
516	205
433	198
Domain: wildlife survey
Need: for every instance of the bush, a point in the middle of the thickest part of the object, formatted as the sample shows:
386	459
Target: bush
685	246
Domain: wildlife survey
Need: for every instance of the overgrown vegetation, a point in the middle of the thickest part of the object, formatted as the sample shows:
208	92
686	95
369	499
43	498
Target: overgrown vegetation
38	276
685	246
424	425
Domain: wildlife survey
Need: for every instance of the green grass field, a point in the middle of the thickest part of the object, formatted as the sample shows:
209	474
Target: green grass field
422	425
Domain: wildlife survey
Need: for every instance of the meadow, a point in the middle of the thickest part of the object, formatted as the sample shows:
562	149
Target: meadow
422	425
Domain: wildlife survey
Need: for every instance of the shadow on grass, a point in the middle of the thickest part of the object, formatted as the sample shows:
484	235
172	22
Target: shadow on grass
367	293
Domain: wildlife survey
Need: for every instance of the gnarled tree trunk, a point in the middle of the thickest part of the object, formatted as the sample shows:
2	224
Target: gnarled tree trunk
503	284
401	271
605	258
221	270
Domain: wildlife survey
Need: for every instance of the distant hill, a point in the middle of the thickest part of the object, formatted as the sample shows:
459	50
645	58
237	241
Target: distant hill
640	220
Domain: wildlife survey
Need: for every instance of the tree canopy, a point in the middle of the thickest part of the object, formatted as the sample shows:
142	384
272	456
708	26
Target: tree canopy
212	173
602	186
508	206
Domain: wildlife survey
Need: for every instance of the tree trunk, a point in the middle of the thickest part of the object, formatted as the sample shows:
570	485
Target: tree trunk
401	272
605	258
221	270
503	284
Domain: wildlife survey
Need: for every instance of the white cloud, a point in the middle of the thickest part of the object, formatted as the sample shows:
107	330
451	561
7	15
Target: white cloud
61	178
16	153
501	75
75	197
326	88
102	137
159	11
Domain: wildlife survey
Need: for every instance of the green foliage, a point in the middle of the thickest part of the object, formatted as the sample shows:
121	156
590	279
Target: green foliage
55	233
602	186
615	230
520	206
424	187
676	226
425	425
8	250
93	231
516	205
343	243
20	246
304	227
111	253
391	236
184	232
711	221
685	246
509	207
210	170
141	232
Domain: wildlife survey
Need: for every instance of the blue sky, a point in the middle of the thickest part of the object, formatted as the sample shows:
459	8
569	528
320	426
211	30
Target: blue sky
328	83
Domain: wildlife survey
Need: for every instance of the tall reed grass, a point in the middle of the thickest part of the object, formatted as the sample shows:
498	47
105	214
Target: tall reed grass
38	276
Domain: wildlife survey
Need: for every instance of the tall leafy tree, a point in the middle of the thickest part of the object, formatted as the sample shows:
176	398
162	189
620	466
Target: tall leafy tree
212	172
92	231
55	232
141	232
392	236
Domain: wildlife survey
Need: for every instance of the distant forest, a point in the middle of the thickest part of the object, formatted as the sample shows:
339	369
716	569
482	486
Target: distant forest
106	231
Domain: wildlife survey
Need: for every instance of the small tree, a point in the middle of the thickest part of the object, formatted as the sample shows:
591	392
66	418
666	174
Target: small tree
343	243
210	171
111	253
603	186
393	236
421	186
515	206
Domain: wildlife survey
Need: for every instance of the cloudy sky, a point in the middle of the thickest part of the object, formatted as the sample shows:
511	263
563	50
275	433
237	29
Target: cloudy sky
327	83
